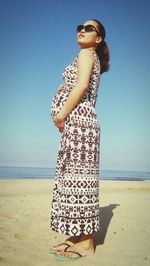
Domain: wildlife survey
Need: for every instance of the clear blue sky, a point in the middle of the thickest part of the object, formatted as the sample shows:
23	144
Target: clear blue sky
38	39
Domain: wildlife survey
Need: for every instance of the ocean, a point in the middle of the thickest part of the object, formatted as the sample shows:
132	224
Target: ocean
48	173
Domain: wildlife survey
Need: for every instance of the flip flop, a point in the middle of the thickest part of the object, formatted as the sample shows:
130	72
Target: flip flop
54	251
62	258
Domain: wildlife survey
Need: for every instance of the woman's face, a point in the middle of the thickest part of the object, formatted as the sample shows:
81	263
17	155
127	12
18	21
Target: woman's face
89	39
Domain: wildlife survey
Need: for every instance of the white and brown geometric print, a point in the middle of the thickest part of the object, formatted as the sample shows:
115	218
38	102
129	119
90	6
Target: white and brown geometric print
75	202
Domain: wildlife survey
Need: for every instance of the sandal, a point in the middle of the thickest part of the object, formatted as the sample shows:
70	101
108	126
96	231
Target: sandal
54	251
60	257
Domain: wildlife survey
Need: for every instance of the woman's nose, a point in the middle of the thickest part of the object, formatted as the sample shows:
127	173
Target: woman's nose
82	31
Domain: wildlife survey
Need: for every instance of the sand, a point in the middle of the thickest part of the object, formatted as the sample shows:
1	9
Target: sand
26	238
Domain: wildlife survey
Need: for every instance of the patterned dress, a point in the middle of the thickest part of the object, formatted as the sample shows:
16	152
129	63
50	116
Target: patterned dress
75	202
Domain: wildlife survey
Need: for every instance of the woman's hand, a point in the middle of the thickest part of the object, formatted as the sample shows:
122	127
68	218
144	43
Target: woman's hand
59	122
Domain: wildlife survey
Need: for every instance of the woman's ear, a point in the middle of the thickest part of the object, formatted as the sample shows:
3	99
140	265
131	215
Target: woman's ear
99	39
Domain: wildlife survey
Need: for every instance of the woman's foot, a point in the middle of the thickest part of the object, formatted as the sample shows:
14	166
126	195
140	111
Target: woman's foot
67	243
84	248
61	247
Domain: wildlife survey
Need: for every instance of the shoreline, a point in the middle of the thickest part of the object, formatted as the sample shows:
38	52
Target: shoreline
53	178
9	172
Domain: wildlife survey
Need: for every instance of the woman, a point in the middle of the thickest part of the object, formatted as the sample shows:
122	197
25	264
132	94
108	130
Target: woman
75	203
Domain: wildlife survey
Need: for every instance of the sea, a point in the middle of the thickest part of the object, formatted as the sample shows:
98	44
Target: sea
7	172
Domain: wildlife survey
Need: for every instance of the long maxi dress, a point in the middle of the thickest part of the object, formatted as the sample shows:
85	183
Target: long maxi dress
75	201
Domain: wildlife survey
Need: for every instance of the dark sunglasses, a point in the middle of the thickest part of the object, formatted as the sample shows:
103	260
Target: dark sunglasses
87	28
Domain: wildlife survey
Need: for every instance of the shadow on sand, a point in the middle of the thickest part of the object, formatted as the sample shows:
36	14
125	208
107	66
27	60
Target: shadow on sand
106	214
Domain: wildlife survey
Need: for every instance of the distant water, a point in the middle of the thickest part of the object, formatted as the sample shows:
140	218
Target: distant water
42	173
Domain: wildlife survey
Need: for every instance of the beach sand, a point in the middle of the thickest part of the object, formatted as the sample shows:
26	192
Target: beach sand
123	239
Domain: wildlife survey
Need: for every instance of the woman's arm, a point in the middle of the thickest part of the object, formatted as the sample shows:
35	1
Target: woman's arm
85	66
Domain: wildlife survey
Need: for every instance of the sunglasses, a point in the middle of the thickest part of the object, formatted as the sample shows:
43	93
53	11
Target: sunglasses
87	28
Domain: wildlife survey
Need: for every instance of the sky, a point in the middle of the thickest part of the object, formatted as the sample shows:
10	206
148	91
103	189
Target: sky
38	40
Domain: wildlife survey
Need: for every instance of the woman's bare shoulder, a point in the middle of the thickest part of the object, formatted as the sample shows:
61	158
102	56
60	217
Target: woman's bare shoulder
86	54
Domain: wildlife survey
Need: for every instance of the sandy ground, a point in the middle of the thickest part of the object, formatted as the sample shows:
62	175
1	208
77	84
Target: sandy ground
26	238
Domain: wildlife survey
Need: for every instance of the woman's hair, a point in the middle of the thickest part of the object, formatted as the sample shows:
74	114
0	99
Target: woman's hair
102	49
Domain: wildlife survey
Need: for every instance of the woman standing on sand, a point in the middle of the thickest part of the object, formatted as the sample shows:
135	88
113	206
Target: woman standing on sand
75	203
